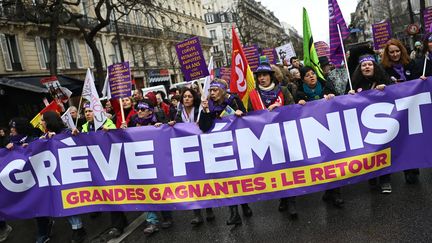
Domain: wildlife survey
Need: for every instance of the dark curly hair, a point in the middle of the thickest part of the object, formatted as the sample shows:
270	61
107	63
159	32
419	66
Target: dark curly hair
196	98
53	122
379	76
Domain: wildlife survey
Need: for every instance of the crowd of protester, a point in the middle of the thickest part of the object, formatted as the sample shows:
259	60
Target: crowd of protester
276	86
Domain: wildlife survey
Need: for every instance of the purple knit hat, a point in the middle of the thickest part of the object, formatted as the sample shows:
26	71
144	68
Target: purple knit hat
264	66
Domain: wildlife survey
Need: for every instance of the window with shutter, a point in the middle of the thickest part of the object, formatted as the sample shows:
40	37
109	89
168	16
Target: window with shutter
60	60
77	53
100	49
90	56
41	56
66	54
5	51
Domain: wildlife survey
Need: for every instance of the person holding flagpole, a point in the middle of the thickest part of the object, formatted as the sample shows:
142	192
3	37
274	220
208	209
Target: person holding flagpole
218	104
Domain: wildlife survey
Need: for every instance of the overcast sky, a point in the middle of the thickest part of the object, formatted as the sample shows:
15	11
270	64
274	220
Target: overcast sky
291	11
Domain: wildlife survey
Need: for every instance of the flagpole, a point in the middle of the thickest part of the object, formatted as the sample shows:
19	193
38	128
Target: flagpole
424	65
344	55
78	112
122	110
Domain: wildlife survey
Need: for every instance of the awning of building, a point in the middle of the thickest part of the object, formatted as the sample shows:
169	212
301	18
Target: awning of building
158	79
33	83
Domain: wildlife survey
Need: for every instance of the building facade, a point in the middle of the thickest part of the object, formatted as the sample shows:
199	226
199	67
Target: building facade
147	39
254	23
397	12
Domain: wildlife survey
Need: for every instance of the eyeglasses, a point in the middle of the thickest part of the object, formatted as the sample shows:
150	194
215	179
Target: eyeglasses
144	109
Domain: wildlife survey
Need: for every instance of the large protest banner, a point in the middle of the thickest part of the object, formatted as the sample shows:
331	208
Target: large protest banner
191	59
381	34
264	155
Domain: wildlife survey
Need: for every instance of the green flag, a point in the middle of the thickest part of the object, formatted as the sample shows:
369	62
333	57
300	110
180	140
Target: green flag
310	56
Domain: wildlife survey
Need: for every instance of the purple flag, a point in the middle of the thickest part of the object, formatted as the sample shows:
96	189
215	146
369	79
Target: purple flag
336	18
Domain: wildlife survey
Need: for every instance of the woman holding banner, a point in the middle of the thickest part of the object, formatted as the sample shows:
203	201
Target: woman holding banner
400	68
53	124
369	75
188	112
268	95
314	88
222	103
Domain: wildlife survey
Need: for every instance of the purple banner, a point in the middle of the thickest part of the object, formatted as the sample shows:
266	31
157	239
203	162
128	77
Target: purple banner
381	34
252	55
119	77
427	14
191	59
264	155
271	54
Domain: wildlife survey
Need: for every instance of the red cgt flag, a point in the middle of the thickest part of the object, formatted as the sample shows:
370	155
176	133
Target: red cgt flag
242	79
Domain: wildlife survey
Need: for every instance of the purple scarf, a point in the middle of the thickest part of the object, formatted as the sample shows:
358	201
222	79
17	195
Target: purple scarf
269	97
217	108
400	70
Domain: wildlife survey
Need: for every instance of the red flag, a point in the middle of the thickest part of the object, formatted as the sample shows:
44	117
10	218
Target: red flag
53	106
242	79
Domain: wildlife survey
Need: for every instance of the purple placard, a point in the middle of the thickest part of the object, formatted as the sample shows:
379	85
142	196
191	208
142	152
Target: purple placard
290	151
381	34
191	59
119	77
252	56
271	55
225	74
427	14
322	49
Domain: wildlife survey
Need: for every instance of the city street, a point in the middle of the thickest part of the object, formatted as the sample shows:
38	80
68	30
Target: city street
403	216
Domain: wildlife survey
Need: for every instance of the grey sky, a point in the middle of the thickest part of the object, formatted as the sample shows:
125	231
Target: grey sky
291	11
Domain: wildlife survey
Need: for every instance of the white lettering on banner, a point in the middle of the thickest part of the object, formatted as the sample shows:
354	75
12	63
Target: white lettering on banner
135	161
412	104
313	132
370	120
178	146
68	165
109	169
355	139
270	139
221	151
241	73
24	179
292	138
211	153
38	163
